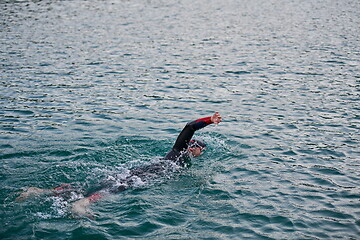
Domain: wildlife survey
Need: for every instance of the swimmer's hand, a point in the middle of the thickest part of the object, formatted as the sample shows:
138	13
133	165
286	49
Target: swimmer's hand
216	118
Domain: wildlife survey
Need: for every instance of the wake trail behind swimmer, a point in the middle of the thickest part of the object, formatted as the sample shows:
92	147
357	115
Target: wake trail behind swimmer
179	156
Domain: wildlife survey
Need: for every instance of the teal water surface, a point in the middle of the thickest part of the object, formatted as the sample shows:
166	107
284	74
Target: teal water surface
90	89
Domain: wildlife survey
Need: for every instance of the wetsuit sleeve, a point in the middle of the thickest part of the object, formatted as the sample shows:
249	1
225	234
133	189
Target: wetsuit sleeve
186	134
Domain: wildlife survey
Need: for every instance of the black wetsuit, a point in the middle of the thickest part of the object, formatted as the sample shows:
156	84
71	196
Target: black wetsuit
178	155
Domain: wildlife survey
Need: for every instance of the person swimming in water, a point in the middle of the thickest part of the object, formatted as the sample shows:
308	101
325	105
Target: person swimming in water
183	150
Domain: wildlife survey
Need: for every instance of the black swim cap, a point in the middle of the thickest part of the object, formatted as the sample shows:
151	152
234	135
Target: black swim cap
197	143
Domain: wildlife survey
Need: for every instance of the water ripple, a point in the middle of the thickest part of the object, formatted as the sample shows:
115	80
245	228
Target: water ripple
89	89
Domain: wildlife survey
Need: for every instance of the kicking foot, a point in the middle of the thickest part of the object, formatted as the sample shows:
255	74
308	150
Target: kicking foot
30	192
80	209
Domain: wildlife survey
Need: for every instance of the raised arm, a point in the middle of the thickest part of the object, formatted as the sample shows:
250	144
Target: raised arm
186	134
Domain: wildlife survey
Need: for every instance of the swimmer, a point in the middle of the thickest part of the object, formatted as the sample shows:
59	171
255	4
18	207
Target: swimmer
184	148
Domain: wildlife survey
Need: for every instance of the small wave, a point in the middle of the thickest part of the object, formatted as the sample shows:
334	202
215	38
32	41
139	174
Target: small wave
57	207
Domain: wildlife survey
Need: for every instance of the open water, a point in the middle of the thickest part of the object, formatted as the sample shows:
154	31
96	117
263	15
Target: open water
92	88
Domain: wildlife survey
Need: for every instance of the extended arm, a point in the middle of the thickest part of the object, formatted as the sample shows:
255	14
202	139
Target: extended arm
186	134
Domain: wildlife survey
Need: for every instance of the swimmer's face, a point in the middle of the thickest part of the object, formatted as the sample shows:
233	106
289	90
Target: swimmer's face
196	151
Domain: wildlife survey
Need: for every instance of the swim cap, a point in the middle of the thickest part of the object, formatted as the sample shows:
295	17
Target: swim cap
197	143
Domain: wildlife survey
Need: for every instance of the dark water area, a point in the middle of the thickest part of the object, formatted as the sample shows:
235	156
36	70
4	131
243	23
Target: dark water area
89	89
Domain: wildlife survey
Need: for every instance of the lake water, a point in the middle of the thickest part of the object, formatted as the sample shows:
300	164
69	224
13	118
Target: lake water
90	88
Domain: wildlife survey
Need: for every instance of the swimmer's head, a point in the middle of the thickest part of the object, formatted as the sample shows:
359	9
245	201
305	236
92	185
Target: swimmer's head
196	147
